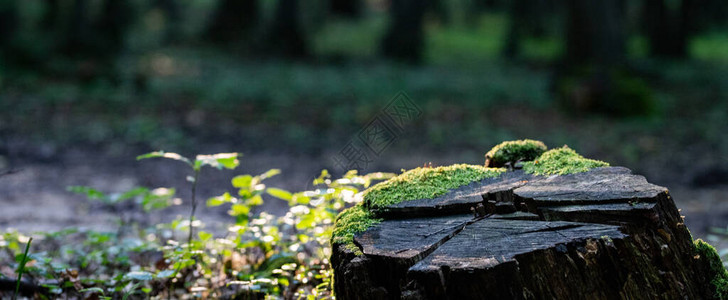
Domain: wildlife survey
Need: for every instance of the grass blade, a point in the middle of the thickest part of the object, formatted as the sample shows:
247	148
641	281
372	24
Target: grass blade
21	268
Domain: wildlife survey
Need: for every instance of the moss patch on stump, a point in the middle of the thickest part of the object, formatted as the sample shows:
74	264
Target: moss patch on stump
718	272
514	151
561	161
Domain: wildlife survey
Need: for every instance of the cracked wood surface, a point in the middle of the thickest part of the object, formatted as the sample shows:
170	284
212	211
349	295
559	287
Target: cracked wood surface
605	234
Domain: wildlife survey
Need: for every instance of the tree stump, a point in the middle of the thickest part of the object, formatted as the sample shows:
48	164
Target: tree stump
601	234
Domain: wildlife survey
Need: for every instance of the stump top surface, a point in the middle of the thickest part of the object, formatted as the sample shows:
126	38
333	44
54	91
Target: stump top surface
491	221
598	186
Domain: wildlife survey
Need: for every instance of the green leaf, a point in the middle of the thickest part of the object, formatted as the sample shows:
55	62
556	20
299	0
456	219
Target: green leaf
183	263
322	178
255	200
91	193
162	154
214	201
242	181
306	222
158	198
139	275
239	209
284	281
138	191
220	200
166	274
280	194
303	238
219	160
204	236
94	290
53	289
299	198
270	173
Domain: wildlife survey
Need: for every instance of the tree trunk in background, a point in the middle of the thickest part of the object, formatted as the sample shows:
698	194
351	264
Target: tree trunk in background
173	20
440	11
526	19
667	27
232	21
51	15
112	27
346	8
8	24
595	32
404	40
285	37
593	76
78	40
518	15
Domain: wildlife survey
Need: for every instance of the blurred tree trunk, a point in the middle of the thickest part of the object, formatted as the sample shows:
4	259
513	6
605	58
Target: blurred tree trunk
78	40
595	32
593	75
112	27
232	21
173	19
440	11
518	14
526	18
8	24
51	15
285	37
346	8
667	26
404	40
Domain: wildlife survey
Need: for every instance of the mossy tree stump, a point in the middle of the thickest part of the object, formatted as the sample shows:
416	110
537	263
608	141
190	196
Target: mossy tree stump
601	234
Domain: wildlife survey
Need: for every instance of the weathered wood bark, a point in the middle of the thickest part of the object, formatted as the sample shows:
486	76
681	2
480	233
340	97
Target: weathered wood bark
602	234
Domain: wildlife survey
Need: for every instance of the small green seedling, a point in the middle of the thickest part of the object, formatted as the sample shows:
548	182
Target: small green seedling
21	268
219	161
511	152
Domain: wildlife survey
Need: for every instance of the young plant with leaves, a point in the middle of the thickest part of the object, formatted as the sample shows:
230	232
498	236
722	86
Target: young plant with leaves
219	161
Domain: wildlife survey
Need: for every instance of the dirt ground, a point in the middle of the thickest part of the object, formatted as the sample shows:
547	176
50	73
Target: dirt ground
35	198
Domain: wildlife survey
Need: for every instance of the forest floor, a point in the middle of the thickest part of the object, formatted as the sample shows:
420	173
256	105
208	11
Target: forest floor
34	198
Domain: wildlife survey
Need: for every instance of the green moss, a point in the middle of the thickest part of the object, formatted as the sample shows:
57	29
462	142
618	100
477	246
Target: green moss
513	151
350	222
561	161
717	271
425	183
419	183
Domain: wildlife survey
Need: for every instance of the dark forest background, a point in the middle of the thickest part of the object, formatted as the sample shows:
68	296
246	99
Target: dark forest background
638	83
